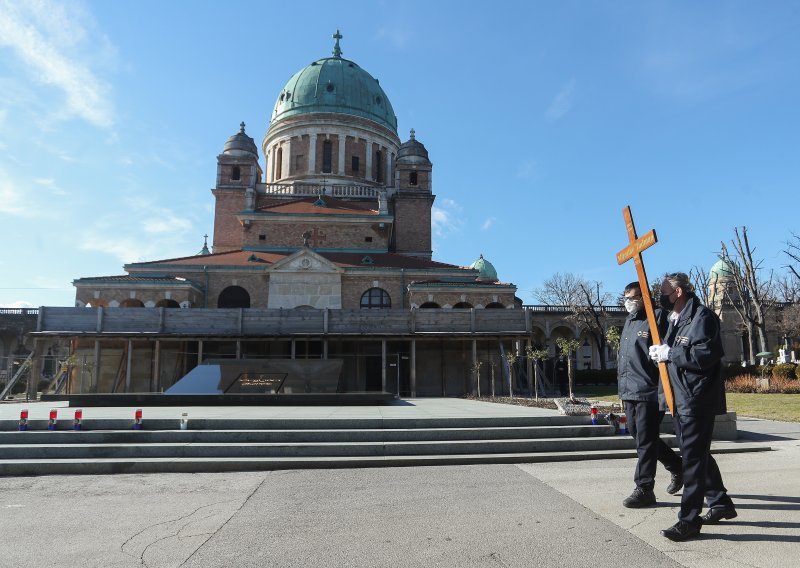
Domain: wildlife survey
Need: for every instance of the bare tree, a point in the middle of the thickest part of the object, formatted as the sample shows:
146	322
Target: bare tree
750	295
705	285
793	252
584	300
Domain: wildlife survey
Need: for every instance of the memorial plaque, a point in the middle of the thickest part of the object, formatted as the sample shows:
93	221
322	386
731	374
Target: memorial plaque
261	376
257	383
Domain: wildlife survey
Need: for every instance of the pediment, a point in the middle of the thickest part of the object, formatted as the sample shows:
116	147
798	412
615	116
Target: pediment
305	260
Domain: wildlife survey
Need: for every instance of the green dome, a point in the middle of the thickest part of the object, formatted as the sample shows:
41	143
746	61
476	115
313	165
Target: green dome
486	271
721	269
335	85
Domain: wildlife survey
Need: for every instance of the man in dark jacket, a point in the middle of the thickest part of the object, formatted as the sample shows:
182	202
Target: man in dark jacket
643	401
692	349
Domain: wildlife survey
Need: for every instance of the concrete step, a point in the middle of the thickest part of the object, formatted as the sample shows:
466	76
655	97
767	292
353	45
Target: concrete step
296	436
314	449
234	423
197	465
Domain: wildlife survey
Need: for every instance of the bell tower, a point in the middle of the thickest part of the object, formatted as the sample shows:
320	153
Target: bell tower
238	172
413	200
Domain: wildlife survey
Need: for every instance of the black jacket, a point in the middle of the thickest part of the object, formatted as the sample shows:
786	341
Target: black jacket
695	361
637	375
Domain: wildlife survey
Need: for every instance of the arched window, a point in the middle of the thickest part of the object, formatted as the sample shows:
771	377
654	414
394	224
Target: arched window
495	306
462	306
167	304
327	157
233	297
412	178
236	173
429	305
132	303
378	173
376	298
279	164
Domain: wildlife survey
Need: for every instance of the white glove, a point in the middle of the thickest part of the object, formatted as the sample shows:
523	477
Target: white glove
659	353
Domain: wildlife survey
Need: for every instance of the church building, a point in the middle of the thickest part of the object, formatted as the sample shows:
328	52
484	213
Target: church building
334	222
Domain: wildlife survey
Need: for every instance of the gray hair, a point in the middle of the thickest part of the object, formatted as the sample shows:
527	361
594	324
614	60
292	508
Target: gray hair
680	280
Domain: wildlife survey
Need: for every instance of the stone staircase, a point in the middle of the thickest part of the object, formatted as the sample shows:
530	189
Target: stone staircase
215	445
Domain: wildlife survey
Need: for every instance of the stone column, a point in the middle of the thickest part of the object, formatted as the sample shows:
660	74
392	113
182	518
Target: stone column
96	369
387	177
129	366
476	376
342	145
312	153
267	171
413	368
199	351
383	366
156	382
368	166
287	159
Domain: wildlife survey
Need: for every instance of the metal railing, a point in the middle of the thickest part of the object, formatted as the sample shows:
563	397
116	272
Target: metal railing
315	189
19	311
567	309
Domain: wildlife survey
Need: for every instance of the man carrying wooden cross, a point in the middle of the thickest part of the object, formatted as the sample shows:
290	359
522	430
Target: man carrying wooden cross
692	351
690	359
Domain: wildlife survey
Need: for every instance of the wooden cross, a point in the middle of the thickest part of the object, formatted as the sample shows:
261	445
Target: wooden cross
634	251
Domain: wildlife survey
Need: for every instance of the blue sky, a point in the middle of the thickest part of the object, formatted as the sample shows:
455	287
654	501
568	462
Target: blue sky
543	120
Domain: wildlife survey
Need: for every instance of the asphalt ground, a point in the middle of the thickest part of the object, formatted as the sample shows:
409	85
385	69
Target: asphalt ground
552	514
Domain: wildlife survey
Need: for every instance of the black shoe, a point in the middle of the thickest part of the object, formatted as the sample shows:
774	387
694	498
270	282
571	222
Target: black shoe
682	531
640	498
715	515
675	484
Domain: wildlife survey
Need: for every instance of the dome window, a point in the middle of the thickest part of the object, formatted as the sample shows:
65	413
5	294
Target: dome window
283	95
378	169
378	100
236	173
327	157
329	87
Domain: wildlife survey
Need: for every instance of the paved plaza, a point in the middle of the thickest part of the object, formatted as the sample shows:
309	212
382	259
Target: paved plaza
548	514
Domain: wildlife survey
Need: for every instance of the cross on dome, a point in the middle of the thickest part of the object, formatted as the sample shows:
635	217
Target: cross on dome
241	126
413	134
337	51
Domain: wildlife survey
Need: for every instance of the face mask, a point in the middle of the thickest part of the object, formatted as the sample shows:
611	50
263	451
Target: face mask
631	305
665	302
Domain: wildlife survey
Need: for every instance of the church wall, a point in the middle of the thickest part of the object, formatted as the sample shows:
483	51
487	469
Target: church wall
354	286
298	161
318	290
148	295
451	298
255	284
325	235
413	225
227	229
355	147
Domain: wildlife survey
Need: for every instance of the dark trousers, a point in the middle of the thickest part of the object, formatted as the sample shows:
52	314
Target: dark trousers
644	421
701	476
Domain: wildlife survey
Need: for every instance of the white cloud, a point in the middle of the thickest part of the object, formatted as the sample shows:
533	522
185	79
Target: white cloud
18	304
50	184
13	198
487	224
562	102
446	218
142	232
51	40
